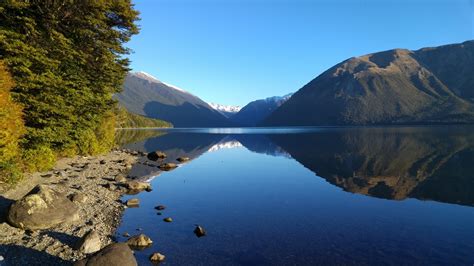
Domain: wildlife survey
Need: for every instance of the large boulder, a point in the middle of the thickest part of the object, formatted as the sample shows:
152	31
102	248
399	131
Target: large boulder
42	208
111	255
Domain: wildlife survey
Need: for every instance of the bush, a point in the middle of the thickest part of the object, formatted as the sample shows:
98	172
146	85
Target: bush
39	158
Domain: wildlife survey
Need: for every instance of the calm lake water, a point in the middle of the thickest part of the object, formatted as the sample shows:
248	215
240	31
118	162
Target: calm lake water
306	196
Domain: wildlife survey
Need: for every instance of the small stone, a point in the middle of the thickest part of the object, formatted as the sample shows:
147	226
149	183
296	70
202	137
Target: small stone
158	213
2	258
126	234
182	159
139	241
168	219
133	202
199	231
103	162
157	257
160	207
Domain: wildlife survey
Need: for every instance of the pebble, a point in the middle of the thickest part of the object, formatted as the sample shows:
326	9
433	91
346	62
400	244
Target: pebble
168	219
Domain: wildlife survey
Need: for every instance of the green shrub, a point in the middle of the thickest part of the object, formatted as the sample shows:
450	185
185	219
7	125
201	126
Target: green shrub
39	158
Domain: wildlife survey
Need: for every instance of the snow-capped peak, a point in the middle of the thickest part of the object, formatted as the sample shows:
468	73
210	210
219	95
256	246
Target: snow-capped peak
146	76
225	108
151	78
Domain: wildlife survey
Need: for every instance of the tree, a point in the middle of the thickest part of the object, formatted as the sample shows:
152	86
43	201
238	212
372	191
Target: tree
67	60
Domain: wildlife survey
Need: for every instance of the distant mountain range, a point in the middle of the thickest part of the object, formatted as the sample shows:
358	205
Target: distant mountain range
226	110
146	95
255	112
427	86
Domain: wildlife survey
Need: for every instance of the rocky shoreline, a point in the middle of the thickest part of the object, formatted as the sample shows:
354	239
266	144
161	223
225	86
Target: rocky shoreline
93	185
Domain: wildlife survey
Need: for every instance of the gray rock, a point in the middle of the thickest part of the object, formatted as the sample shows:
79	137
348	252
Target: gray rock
157	257
120	179
136	186
133	202
182	159
155	155
112	255
167	166
42	208
139	241
90	243
199	231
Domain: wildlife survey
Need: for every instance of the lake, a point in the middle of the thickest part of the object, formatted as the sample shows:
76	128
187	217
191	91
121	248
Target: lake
306	196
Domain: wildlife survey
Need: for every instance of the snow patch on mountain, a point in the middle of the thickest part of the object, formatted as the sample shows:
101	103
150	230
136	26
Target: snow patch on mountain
225	108
151	78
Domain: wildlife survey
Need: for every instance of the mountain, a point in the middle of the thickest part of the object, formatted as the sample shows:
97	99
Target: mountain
254	112
226	110
427	86
145	95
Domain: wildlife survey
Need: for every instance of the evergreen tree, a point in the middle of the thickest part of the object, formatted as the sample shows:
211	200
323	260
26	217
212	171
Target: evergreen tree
67	60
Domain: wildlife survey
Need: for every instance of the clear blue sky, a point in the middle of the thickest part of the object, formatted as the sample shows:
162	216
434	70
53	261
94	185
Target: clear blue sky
236	51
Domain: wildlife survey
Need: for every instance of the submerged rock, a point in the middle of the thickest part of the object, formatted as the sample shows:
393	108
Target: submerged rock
139	241
133	202
167	166
160	207
168	219
157	257
199	231
42	208
90	243
111	255
182	159
155	155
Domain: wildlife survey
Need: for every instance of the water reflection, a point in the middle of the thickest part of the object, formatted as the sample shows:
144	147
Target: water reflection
392	163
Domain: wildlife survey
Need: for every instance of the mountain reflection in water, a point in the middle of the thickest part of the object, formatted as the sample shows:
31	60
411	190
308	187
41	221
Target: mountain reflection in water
426	163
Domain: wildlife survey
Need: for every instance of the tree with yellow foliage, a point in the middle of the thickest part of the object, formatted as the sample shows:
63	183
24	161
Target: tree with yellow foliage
11	125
